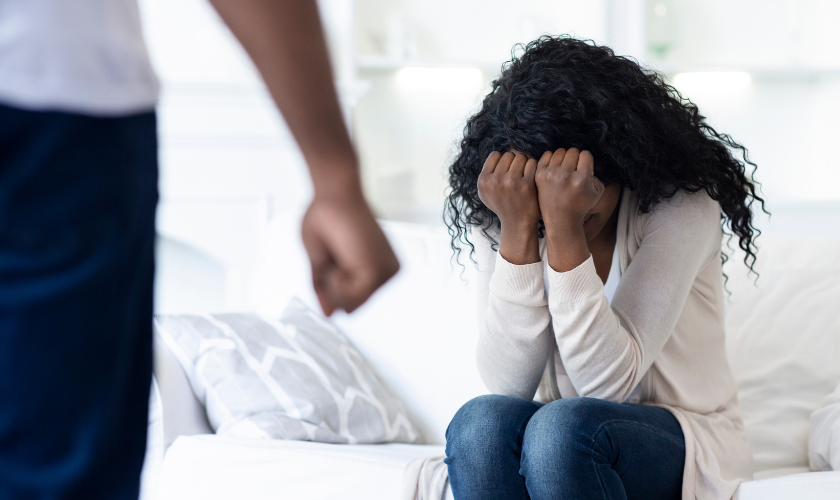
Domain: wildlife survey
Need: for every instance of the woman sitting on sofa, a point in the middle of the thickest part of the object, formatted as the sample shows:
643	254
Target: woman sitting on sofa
594	198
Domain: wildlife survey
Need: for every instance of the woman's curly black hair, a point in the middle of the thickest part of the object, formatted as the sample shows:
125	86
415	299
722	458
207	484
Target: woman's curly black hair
564	92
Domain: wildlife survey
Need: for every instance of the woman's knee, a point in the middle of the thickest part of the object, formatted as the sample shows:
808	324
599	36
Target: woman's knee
488	421
564	426
488	414
574	412
483	445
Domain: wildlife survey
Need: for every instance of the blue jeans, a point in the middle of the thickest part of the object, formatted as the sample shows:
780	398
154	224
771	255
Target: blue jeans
502	447
77	233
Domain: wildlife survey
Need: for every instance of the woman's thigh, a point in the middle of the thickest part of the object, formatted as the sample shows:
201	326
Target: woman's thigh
483	447
590	448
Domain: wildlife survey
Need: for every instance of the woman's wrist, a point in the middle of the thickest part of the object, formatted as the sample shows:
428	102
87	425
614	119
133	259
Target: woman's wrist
566	245
519	243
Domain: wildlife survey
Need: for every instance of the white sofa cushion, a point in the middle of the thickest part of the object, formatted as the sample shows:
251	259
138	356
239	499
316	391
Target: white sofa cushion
297	378
824	439
155	448
419	331
223	468
783	338
807	486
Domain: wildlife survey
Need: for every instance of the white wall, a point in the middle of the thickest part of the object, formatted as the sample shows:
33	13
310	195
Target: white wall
756	33
788	127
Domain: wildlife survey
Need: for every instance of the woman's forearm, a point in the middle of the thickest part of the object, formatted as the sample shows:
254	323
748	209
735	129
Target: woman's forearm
513	319
514	335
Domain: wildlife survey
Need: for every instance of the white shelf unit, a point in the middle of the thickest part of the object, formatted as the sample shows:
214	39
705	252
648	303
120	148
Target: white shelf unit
406	133
760	73
384	63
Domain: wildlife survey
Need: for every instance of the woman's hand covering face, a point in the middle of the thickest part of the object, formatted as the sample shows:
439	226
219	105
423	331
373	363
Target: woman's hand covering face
561	188
567	187
507	186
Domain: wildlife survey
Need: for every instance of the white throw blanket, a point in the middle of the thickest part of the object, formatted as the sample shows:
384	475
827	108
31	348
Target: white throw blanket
426	479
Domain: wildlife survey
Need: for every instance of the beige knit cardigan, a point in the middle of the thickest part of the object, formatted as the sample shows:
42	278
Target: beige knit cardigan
664	330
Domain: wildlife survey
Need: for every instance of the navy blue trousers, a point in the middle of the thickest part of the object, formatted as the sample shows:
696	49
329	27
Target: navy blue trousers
506	448
77	225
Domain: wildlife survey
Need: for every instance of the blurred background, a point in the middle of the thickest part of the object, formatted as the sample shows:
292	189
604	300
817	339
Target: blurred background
409	73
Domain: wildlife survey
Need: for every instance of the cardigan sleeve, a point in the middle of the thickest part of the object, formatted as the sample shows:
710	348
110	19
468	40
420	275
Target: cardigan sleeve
607	349
514	336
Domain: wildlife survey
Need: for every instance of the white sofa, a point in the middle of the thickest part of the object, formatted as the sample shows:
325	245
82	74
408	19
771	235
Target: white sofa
419	332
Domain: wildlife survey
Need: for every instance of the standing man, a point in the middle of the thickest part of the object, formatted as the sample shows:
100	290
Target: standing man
78	189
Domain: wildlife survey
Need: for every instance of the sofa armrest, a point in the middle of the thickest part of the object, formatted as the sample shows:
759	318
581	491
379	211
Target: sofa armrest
183	414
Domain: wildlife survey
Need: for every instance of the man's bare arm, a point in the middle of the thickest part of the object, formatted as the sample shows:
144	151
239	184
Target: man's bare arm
350	256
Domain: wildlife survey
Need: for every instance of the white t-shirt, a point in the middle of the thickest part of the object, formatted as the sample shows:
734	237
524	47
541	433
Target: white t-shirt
80	56
613	277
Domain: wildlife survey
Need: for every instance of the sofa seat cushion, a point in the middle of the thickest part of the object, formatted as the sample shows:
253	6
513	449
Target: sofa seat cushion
783	338
806	486
214	467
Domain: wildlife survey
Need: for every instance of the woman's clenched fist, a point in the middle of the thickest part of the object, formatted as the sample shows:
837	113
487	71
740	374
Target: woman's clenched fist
567	187
507	187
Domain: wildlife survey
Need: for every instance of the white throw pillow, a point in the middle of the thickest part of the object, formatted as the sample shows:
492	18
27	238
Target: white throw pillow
297	378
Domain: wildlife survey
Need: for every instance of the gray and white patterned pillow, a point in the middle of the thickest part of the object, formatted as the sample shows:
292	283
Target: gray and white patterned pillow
297	378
